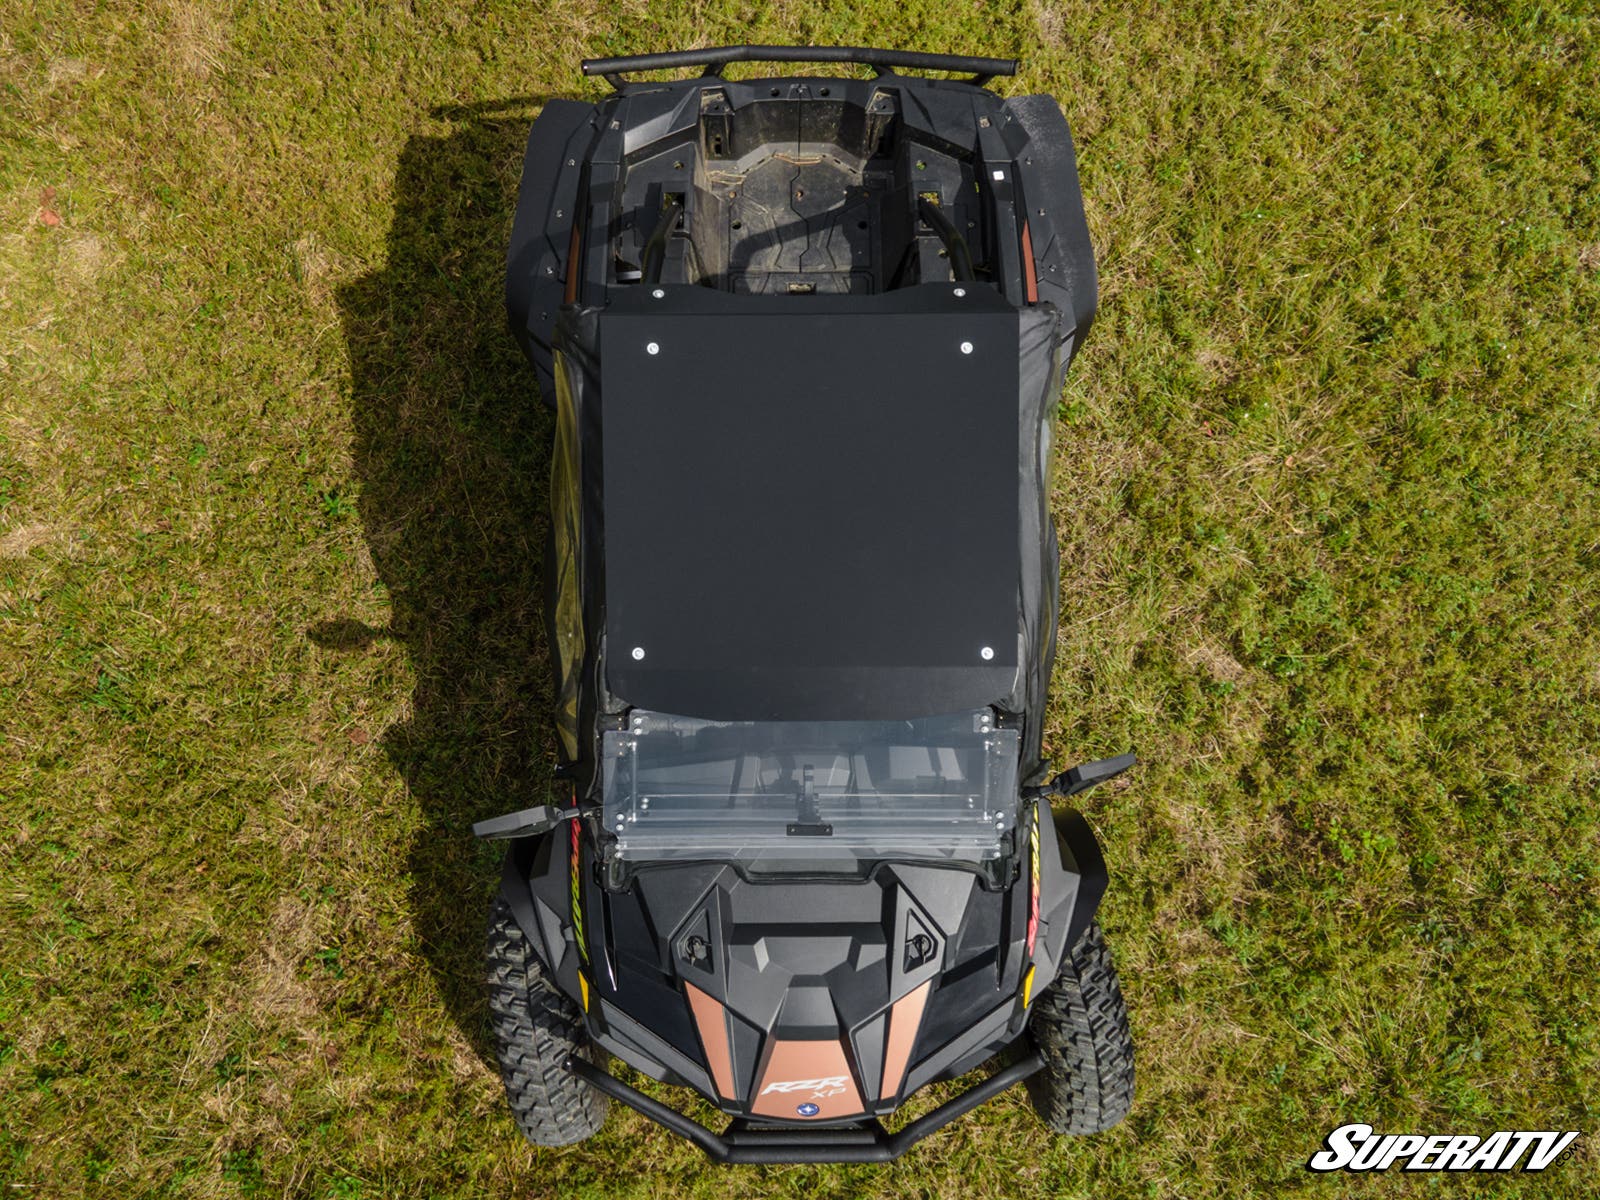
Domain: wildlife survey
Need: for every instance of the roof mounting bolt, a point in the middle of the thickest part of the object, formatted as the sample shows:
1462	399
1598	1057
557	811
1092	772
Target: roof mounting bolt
572	162
986	653
638	651
559	214
961	291
983	122
658	293
966	347
650	348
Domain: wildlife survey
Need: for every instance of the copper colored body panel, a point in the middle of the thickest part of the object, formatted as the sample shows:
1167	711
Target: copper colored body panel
574	266
712	1022
904	1020
807	1075
1030	272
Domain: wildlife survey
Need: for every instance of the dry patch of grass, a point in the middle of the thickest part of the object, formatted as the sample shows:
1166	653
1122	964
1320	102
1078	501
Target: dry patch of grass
18	542
197	37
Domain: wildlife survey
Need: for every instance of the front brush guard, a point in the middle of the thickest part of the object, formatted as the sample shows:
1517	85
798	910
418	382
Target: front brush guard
865	1141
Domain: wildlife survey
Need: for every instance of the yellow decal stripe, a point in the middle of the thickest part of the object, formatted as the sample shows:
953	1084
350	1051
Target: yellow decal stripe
1034	848
577	906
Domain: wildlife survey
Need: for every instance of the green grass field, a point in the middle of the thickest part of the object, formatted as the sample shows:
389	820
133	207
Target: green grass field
271	477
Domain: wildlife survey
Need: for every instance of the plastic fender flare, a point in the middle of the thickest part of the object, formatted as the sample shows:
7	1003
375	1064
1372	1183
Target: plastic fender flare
534	877
538	257
1072	880
1080	854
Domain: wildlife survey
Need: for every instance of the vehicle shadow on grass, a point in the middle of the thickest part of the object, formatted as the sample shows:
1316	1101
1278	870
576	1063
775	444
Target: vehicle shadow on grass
451	448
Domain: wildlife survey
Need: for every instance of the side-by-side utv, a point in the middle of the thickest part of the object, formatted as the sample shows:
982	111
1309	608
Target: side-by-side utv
805	340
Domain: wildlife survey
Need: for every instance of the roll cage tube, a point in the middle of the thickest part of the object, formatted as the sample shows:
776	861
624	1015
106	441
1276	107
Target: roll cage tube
954	244
714	57
655	250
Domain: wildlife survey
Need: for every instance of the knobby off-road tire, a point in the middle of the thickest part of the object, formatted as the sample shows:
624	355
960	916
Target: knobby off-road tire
1080	1024
535	1029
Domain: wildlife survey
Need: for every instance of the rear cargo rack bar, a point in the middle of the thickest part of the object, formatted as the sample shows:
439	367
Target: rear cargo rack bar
743	1142
712	57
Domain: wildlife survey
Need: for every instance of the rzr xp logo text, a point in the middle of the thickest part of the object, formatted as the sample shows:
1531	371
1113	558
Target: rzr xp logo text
1358	1148
834	1085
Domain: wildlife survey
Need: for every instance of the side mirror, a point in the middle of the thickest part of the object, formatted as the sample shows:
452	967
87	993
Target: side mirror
1082	778
527	823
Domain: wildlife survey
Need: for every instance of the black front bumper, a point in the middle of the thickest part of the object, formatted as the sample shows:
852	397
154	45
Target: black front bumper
866	1141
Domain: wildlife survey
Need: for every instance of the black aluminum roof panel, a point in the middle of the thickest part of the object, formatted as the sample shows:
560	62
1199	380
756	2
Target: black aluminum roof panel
811	504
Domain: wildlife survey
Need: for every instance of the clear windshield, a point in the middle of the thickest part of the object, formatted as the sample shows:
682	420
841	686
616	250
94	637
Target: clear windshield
808	795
